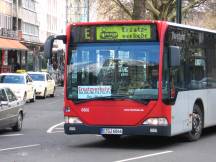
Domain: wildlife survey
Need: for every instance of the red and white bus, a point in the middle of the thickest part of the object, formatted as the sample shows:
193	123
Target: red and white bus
138	78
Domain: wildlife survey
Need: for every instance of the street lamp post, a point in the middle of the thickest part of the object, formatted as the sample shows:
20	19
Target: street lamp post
178	11
87	10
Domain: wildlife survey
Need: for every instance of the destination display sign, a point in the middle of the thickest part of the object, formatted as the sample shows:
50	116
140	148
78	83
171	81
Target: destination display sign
123	32
113	33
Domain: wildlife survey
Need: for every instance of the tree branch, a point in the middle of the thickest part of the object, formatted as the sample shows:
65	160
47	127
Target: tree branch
121	5
151	8
195	3
170	6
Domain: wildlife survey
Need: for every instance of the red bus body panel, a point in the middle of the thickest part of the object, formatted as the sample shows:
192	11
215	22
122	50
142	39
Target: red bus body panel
128	113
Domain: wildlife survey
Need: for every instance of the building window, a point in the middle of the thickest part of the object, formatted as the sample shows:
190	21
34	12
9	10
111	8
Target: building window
5	21
29	4
30	29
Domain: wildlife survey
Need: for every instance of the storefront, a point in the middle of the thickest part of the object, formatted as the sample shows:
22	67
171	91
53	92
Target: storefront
34	56
13	55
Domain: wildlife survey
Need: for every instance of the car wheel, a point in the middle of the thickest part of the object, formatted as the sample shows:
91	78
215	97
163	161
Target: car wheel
53	94
45	94
18	126
197	124
34	97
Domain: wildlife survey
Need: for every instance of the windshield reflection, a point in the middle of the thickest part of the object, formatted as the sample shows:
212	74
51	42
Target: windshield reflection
101	70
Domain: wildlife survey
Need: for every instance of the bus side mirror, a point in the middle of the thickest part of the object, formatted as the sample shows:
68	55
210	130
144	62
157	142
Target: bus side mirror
175	53
49	44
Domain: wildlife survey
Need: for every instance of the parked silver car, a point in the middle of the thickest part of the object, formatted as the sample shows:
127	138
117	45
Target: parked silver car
11	110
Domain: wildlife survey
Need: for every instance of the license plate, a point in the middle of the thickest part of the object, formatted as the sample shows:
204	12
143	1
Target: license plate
111	131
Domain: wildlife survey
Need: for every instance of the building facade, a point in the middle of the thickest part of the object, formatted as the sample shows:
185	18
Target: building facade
12	52
52	16
27	24
28	14
82	10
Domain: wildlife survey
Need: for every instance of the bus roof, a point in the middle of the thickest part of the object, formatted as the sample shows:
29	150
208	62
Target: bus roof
191	27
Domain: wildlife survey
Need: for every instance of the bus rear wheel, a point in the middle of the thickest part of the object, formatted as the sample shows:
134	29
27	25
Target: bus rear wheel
197	124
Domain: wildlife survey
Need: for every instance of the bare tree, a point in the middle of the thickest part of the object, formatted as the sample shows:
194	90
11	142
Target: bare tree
204	16
154	9
114	9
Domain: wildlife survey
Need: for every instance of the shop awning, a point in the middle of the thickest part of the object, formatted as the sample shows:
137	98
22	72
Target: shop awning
10	44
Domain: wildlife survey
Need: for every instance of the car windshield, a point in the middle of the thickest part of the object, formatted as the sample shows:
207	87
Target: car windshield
12	79
37	77
110	70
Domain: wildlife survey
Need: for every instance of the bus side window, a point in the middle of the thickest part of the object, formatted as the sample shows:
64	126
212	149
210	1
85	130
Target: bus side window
177	68
197	71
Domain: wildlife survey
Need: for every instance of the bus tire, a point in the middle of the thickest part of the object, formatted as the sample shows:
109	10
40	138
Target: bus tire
111	138
197	124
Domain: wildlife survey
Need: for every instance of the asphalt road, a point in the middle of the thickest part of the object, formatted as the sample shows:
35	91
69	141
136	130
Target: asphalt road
42	140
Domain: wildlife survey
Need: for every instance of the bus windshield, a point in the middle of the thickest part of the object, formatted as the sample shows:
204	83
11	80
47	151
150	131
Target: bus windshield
113	70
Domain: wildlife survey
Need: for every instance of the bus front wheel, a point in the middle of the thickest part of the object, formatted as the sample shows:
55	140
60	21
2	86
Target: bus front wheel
197	124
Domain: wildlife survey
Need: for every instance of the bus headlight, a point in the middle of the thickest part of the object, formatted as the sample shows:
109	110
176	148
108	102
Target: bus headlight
72	120
156	122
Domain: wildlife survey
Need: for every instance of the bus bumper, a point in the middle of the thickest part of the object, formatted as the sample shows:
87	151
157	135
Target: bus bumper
124	130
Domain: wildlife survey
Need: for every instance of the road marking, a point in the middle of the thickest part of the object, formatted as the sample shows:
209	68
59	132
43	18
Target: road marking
11	135
145	156
58	132
53	127
19	147
52	103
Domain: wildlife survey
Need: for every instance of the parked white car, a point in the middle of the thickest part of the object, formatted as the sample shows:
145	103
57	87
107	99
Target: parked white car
20	84
44	84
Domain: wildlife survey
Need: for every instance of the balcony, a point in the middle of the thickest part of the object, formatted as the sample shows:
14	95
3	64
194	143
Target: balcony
8	33
30	38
